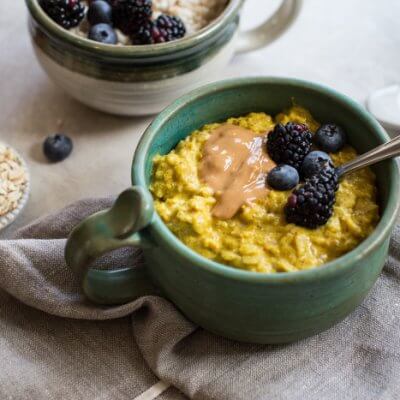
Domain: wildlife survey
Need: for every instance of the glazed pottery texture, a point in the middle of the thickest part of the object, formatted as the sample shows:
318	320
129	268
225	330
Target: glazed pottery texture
242	305
140	80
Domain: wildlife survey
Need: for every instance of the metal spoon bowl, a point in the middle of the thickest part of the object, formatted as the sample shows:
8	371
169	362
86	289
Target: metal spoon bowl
388	150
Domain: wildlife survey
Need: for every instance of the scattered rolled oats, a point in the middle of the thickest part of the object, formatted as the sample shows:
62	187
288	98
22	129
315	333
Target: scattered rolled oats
13	180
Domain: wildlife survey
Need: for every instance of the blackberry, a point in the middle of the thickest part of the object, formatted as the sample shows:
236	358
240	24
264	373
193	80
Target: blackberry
67	13
146	34
311	205
130	15
171	27
164	29
289	144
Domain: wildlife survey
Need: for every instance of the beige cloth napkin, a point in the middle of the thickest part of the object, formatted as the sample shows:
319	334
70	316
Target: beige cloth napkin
357	359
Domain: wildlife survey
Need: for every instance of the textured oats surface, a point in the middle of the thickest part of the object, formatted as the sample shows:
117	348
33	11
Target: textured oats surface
258	238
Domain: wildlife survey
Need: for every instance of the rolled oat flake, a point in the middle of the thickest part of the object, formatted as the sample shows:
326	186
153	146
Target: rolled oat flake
13	180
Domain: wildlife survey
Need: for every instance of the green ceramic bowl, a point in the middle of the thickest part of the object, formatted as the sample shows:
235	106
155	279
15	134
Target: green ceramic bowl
247	306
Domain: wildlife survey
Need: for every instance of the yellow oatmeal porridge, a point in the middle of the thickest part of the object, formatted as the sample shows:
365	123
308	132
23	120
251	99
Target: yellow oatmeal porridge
258	238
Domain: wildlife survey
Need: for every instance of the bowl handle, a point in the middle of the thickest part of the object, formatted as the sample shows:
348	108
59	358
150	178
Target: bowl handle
106	231
271	29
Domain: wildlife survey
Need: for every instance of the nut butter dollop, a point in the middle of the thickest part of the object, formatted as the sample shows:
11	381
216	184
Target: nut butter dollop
235	164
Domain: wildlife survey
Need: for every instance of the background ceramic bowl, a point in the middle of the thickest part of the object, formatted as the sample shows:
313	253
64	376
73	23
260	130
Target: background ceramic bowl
243	305
140	80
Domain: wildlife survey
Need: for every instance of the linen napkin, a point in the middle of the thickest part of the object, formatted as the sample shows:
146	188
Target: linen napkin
357	359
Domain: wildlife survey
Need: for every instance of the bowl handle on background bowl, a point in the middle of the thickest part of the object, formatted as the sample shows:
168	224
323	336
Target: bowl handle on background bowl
271	29
104	232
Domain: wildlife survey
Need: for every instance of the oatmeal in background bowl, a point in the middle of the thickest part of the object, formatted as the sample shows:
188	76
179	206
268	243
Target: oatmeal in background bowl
196	14
133	22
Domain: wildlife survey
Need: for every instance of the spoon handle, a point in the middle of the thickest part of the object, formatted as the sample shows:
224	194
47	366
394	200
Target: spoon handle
388	150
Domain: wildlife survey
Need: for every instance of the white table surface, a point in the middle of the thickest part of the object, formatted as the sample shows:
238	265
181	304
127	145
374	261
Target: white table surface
351	45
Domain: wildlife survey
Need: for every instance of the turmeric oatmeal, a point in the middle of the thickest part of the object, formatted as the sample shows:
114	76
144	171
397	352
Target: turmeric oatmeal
258	238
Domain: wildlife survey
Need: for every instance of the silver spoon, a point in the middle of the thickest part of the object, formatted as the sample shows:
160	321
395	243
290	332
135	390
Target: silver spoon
388	150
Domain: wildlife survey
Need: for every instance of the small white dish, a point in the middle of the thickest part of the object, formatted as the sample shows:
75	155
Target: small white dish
11	216
384	104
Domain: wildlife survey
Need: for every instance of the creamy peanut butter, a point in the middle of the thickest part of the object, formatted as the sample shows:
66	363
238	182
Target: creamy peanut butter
235	164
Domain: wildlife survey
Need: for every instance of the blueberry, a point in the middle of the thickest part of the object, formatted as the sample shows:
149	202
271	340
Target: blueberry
330	138
103	33
57	147
283	177
314	163
100	12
